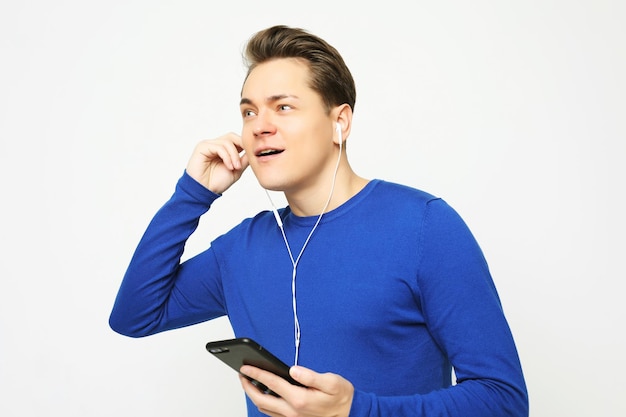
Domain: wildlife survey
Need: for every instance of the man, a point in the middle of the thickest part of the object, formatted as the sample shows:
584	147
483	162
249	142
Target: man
376	290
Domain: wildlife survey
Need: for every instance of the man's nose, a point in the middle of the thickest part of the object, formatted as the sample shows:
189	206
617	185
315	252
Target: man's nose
263	125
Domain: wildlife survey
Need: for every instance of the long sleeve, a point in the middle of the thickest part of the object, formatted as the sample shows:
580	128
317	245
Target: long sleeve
159	293
464	316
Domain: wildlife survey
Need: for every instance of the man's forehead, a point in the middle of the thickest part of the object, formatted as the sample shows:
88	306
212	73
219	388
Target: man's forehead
279	76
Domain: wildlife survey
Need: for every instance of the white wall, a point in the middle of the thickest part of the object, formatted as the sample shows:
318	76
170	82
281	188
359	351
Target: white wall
514	112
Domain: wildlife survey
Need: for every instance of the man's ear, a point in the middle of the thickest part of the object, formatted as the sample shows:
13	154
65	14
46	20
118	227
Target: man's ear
342	115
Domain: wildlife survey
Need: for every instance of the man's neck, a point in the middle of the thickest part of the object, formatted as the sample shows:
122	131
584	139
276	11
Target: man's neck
311	203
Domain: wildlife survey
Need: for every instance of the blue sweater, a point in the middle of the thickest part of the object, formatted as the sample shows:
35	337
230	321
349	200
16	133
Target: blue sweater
392	291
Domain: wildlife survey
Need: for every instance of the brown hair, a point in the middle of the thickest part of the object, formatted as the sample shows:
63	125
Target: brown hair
330	76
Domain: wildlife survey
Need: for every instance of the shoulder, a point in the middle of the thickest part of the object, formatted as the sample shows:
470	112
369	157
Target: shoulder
261	223
411	205
401	190
402	197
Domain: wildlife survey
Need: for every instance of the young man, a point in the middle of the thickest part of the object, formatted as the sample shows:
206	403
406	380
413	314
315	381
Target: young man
375	290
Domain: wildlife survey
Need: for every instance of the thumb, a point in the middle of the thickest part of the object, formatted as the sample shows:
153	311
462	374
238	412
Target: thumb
307	377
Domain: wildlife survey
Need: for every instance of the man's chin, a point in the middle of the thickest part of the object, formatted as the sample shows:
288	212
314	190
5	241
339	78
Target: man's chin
273	188
265	181
271	185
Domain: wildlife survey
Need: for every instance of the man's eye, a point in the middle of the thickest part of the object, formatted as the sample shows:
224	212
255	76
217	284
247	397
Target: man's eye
284	107
248	113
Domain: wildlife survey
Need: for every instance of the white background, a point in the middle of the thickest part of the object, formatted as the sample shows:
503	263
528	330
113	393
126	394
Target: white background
514	112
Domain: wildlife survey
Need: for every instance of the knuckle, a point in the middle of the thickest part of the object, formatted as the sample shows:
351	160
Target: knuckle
298	404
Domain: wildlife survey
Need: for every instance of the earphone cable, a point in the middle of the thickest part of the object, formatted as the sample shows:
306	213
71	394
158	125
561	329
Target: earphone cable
295	261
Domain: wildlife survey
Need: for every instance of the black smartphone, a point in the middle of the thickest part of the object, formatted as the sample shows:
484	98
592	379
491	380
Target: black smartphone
245	351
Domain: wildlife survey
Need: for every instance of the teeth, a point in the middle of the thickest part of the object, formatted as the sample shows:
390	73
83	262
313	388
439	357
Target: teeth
268	152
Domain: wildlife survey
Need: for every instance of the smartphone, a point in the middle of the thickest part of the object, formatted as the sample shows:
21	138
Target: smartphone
245	351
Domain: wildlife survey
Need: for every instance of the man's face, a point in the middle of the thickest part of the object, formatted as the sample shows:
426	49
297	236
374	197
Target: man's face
287	132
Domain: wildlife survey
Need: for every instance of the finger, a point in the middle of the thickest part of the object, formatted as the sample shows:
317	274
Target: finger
326	383
236	150
236	139
225	151
226	148
230	157
266	403
245	162
272	381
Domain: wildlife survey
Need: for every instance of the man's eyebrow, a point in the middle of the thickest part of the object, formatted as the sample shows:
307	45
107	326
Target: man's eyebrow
270	99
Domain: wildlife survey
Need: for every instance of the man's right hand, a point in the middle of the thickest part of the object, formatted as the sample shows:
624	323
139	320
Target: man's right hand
216	163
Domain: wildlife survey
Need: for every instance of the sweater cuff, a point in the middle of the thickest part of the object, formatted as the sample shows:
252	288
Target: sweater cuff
196	190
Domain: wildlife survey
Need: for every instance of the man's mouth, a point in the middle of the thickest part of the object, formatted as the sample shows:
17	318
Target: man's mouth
268	152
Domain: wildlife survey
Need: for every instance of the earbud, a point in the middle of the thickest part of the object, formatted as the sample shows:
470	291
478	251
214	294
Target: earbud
338	129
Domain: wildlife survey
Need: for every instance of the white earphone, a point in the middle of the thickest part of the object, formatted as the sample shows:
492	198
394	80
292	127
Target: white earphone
294	261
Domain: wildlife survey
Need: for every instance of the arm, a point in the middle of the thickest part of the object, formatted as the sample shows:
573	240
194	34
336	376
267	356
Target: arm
158	292
464	316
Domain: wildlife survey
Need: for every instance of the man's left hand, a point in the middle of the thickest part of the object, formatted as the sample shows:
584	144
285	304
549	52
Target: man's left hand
325	395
